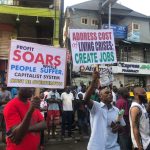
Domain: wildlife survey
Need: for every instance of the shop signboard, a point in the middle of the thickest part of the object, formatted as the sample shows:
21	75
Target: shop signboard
131	68
120	32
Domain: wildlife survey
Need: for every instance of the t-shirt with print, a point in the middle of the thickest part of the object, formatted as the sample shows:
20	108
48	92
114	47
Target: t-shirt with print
67	101
54	96
14	113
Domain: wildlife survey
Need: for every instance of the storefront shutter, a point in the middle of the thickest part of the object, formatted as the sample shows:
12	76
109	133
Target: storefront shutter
136	55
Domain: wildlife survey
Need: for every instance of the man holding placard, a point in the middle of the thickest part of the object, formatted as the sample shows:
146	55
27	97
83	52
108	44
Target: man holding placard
106	121
24	121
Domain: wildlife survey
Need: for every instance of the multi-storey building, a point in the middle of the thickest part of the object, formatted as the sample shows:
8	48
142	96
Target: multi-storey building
28	20
132	38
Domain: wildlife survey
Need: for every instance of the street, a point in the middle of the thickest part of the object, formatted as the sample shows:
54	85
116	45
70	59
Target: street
55	144
68	145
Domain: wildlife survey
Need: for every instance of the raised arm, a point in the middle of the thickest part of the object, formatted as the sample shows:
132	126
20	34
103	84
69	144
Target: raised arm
91	88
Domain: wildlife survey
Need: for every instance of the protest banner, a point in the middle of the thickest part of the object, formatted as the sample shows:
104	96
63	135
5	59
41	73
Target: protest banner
35	65
106	74
92	46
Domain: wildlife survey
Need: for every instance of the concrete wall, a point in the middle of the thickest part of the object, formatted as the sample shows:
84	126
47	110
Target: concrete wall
144	27
75	20
76	15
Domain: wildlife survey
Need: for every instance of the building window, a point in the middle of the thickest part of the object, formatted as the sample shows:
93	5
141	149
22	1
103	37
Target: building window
84	21
6	2
94	22
136	26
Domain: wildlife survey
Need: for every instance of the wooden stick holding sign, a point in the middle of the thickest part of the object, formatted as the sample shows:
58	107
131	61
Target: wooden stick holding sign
37	92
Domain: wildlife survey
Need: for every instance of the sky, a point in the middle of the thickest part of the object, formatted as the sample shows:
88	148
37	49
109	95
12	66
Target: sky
141	6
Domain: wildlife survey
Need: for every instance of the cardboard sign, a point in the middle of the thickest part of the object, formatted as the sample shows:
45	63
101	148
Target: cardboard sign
92	46
106	76
35	65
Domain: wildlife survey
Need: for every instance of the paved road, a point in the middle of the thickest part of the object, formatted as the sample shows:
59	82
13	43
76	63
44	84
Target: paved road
61	145
68	146
58	144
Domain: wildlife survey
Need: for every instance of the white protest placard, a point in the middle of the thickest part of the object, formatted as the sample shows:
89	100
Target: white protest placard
106	75
35	65
92	46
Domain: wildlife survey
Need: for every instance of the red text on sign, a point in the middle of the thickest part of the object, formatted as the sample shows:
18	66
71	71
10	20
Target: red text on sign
29	57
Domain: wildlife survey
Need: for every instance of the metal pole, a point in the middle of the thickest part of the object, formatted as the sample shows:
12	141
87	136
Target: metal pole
61	23
109	16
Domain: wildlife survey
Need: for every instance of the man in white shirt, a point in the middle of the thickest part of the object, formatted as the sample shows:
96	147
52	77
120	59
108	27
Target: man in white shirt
67	114
139	121
104	120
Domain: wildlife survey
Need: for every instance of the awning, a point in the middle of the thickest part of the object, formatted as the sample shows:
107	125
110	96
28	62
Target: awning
26	11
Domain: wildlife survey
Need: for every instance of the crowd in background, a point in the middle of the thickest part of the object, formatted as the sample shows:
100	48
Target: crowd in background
67	109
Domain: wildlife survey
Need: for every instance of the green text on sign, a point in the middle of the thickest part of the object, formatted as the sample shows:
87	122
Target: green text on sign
93	58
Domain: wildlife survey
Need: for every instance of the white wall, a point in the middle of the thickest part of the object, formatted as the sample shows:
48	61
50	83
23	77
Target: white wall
117	79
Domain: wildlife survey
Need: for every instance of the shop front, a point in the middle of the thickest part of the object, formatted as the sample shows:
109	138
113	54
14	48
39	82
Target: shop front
132	74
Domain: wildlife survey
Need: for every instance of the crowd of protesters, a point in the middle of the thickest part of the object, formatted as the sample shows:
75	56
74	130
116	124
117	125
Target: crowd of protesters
92	110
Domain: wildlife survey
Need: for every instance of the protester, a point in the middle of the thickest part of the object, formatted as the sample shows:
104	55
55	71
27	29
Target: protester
83	91
67	114
105	120
74	91
24	121
82	115
114	94
5	95
46	92
82	112
43	105
14	92
139	121
123	103
53	115
80	87
43	108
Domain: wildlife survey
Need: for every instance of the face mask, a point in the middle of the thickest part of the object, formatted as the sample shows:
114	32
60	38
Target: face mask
143	99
